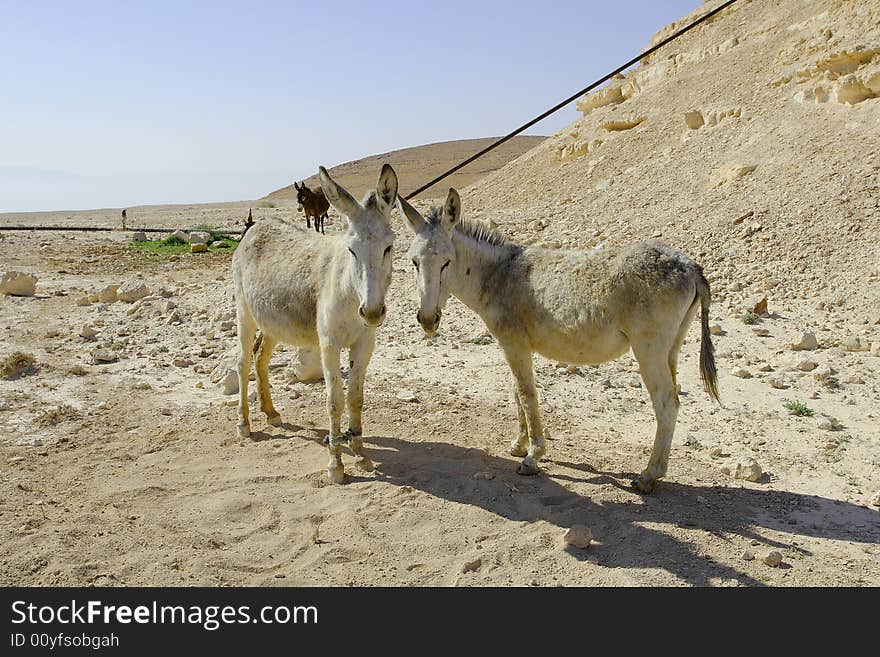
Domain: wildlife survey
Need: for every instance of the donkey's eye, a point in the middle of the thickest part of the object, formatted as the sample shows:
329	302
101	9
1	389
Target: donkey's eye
352	254
388	250
445	266
415	263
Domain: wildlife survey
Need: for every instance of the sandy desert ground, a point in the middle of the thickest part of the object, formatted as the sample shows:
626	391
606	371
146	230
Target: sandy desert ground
130	472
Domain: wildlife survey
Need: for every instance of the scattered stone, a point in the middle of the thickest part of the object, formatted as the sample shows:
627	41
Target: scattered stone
219	244
472	566
229	383
18	284
83	301
132	291
875	348
181	362
715	329
87	332
853	378
138	236
766	367
773	559
198	248
199	237
777	381
761	331
174	317
807	365
484	476
741	372
855	343
407	396
108	293
693	119
716	452
758	306
805	342
749	470
875	500
730	173
748	556
828	423
180	235
579	536
824	372
104	356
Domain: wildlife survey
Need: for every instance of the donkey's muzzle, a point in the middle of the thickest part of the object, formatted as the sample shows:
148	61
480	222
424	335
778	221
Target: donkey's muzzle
372	317
429	324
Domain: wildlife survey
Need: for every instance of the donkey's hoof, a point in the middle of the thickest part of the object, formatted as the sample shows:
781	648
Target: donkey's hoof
336	475
644	485
244	430
528	468
518	450
274	419
364	464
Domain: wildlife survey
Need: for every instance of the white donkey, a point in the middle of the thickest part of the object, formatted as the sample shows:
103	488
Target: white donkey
570	306
323	294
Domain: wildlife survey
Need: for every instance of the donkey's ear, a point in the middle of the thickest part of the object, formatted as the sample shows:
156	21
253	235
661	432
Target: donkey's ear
295	186
386	188
341	199
413	218
451	209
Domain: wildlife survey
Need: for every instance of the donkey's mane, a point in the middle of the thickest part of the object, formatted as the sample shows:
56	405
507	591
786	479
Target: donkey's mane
476	230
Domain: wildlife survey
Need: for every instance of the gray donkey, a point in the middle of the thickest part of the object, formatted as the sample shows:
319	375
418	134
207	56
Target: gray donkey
323	294
570	306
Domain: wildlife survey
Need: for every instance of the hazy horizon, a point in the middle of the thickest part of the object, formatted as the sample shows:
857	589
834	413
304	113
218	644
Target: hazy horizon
160	103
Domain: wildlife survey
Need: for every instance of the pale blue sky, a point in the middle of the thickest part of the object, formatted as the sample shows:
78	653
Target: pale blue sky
110	104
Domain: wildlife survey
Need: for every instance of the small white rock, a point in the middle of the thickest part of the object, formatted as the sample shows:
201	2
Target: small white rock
87	332
855	343
749	470
805	342
18	284
740	372
579	536
748	556
132	291
229	383
407	396
104	356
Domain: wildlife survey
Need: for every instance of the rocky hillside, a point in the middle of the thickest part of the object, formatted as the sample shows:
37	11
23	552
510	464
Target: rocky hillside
419	164
751	142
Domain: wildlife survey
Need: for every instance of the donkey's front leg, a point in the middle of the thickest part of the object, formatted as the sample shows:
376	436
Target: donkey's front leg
520	446
333	381
359	358
520	360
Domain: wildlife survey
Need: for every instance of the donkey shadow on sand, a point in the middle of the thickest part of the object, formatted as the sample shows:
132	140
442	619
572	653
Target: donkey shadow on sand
624	537
732	510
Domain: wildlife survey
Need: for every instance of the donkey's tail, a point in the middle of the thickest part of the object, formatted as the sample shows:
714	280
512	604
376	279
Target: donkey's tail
708	373
258	342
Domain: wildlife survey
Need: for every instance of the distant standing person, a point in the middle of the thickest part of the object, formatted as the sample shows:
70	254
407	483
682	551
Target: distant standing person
249	222
124	217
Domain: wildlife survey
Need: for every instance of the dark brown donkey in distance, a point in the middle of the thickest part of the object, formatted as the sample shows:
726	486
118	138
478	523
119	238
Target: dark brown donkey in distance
313	204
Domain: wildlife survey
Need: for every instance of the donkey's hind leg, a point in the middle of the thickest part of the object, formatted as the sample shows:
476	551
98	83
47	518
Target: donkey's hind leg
264	355
247	328
654	364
